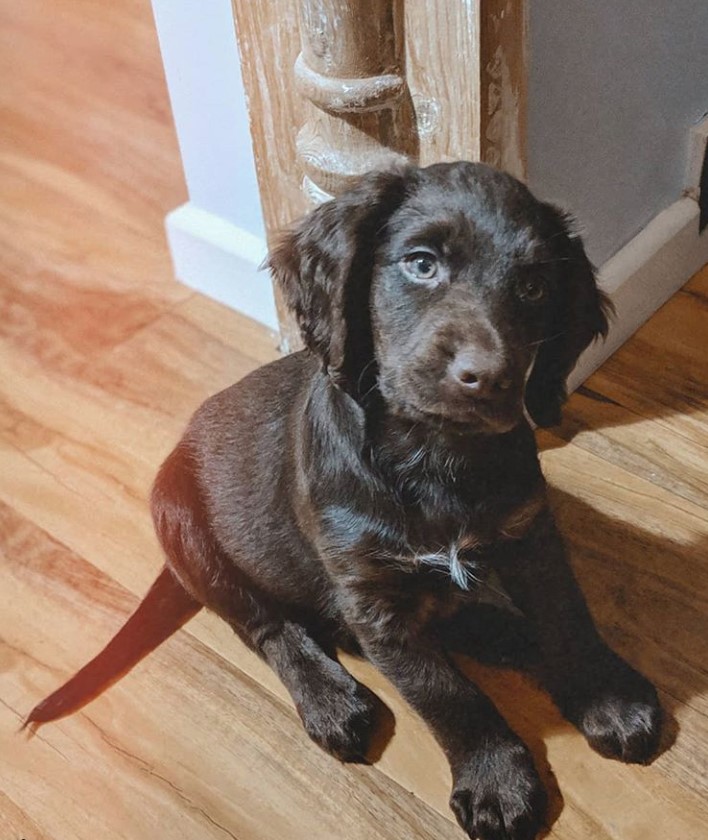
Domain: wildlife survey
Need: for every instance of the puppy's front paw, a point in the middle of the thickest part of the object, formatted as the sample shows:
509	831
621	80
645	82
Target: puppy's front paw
342	719
498	794
619	713
621	728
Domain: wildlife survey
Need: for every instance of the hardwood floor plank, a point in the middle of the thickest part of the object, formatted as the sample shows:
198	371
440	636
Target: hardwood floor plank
13	820
643	446
83	88
661	372
196	771
646	409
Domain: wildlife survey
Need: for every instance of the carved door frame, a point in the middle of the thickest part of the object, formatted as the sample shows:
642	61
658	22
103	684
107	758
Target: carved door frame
338	87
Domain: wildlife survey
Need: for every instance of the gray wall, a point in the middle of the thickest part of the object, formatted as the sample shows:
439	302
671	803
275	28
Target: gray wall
614	87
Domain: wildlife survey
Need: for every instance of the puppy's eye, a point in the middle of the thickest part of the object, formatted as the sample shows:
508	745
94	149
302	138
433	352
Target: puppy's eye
532	289
421	265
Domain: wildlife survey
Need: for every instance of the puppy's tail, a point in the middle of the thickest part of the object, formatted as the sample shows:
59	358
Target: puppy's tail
164	609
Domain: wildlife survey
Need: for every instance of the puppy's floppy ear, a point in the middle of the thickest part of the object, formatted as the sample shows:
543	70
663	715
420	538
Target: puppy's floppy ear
580	313
324	267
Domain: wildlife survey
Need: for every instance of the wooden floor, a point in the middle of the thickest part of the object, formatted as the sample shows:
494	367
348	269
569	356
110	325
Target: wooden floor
102	359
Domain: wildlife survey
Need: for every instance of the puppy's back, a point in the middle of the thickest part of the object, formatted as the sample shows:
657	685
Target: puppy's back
244	443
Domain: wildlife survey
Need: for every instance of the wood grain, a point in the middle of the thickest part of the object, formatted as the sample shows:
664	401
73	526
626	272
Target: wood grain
103	357
350	69
445	92
503	26
269	44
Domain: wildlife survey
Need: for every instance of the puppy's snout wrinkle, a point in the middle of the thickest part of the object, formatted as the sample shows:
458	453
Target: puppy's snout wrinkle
478	374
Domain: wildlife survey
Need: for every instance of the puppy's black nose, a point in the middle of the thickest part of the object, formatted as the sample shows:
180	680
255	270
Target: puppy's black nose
479	375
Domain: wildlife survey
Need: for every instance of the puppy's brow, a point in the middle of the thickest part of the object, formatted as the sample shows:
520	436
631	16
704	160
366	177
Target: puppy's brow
435	233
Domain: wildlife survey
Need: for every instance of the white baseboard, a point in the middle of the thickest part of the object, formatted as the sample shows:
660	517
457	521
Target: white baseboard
221	260
643	275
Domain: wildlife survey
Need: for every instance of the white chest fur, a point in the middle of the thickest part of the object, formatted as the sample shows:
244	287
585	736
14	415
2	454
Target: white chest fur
457	557
449	560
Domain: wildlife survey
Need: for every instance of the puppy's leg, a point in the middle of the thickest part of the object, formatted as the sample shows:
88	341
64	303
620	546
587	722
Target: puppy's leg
338	712
614	706
496	790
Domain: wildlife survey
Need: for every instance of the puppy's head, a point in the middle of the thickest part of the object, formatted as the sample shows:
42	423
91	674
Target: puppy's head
469	299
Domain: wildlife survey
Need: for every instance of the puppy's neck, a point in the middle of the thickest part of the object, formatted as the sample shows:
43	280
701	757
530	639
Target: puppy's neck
403	446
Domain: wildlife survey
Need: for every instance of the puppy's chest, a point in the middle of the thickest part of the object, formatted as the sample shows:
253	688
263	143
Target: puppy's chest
457	545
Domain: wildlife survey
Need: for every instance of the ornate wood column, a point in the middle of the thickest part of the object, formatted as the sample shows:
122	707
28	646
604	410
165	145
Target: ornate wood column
346	86
351	70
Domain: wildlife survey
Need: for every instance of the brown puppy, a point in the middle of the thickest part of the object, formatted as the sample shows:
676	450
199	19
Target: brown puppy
357	493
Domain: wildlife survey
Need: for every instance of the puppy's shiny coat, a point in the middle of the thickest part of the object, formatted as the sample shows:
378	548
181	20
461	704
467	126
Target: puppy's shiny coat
358	493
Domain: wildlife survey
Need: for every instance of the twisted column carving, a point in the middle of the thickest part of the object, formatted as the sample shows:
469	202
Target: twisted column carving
351	70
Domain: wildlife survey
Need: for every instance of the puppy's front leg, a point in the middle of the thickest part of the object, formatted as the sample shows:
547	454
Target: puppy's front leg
496	790
614	706
337	711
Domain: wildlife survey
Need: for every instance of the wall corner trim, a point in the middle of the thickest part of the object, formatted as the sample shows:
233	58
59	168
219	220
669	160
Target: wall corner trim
221	260
644	274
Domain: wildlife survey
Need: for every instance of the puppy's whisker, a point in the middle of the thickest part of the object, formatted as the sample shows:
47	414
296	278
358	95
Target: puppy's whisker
412	429
545	340
551	262
364	370
371	390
